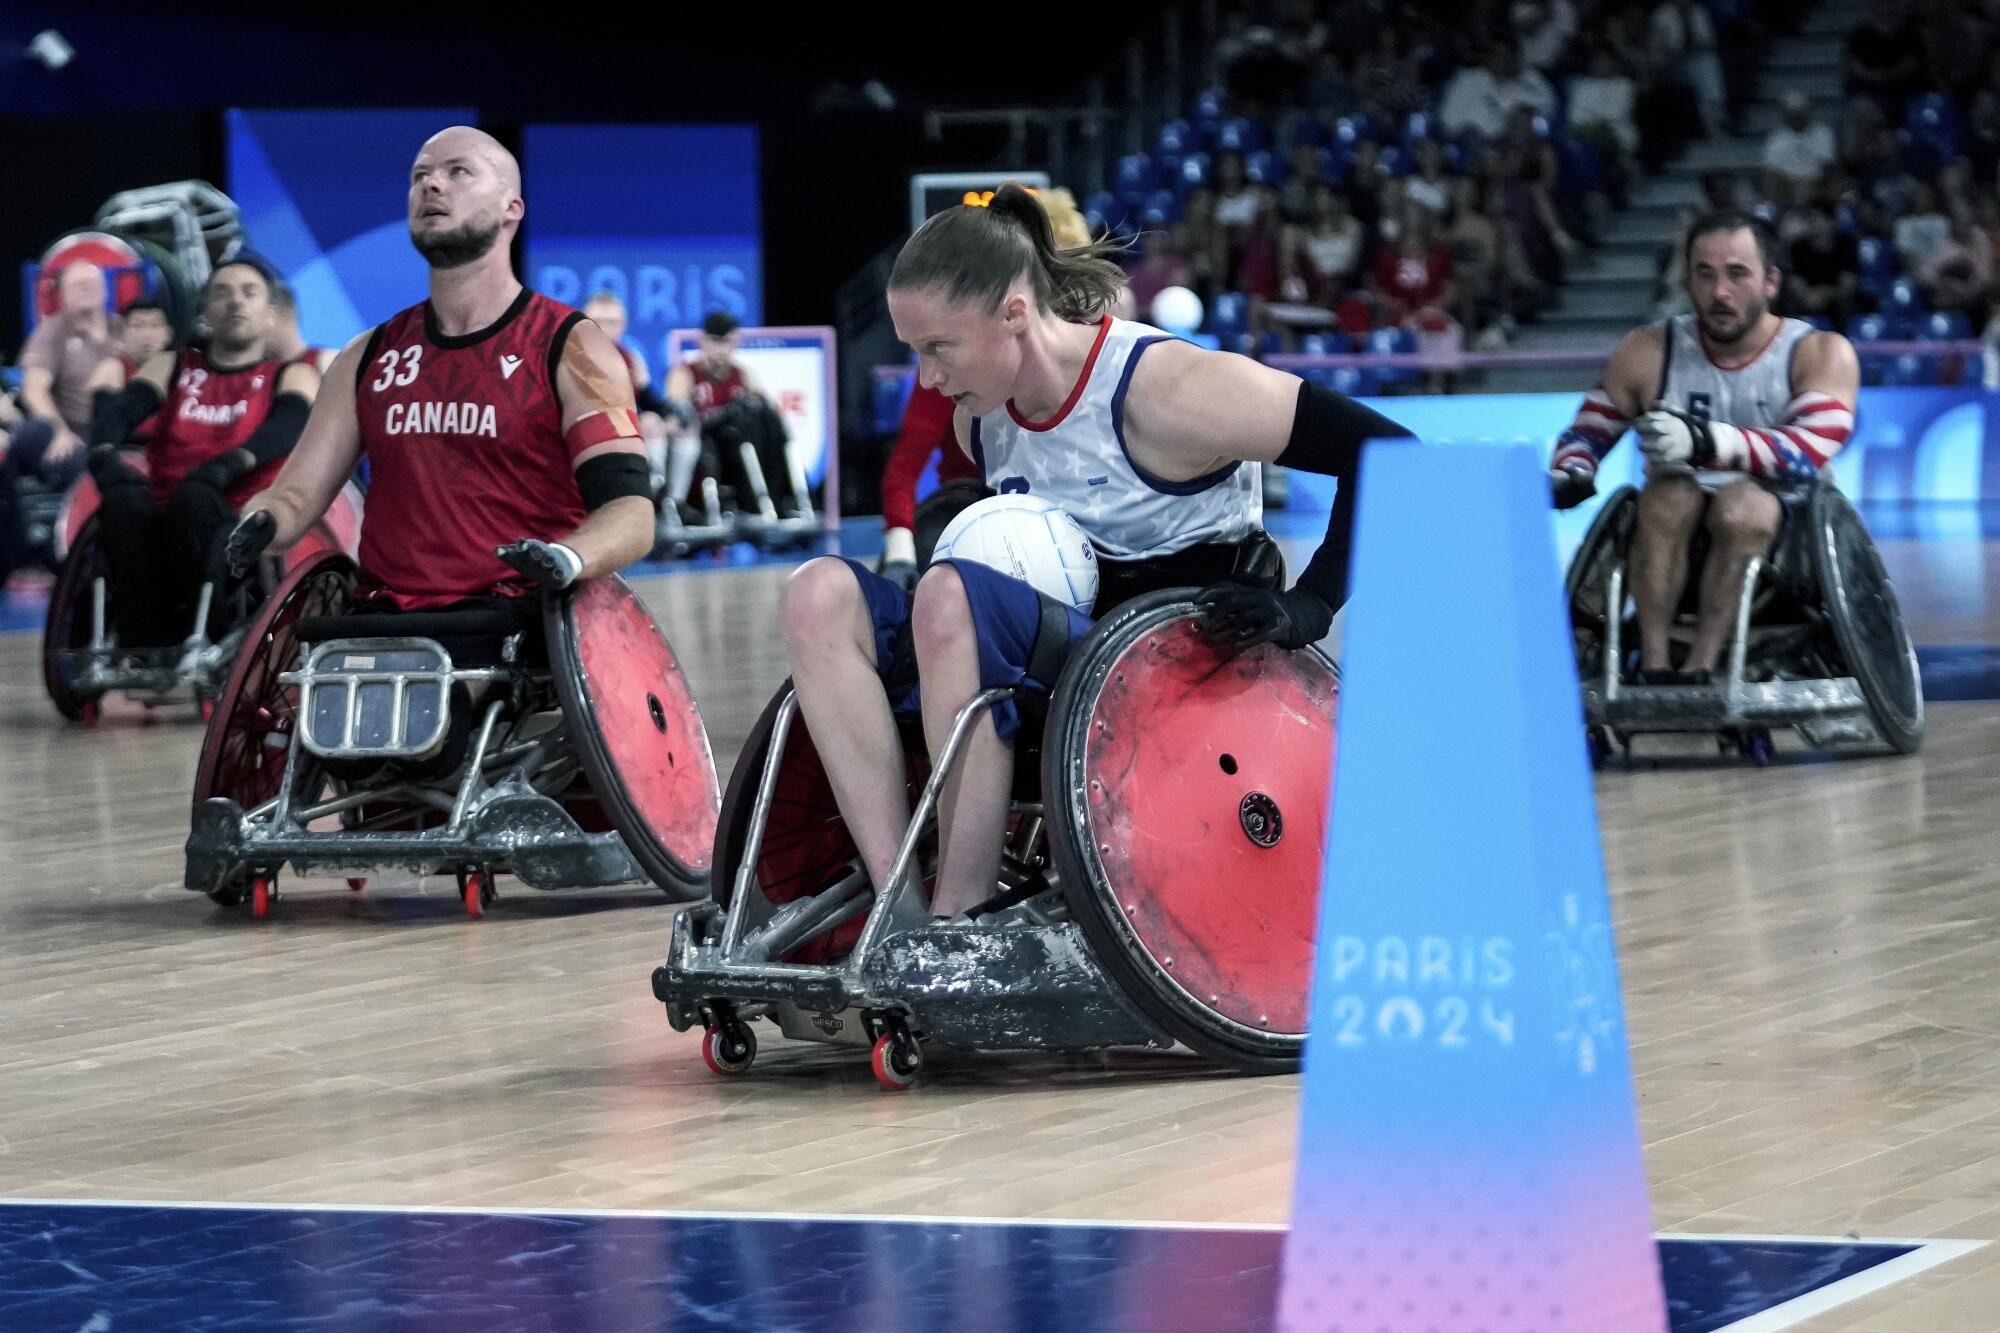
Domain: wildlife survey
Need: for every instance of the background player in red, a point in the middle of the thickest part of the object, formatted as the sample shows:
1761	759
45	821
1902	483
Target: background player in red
498	424
229	410
717	399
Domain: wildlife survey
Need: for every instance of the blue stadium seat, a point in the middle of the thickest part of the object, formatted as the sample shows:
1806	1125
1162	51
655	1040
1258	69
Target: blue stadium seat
1581	171
1164	201
1331	343
1265	167
1176	137
1876	328
1820	322
1879	265
1136	174
1103	203
1945	326
1229	315
1931	121
1904	298
1239	135
1355	382
1192	175
1392	341
1910	369
1419	126
1356	128
1395	162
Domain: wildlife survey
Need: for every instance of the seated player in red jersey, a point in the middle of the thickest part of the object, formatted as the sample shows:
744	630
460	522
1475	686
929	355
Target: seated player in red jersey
503	447
225	413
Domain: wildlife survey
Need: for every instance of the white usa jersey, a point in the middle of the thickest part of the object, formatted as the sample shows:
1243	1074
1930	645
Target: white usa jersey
1078	459
1751	396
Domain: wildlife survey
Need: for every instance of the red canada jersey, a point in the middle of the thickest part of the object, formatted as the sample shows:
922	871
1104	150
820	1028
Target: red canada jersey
464	437
711	393
210	409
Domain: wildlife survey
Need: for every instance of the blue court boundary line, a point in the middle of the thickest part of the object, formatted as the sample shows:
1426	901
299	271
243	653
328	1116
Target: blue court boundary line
1924	1254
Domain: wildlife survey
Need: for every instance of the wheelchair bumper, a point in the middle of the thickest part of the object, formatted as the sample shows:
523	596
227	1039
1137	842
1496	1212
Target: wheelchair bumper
509	825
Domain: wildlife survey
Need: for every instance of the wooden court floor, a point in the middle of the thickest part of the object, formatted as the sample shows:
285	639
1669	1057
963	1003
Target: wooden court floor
1811	958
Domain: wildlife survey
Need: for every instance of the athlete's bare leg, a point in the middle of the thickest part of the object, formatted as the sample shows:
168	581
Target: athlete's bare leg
830	643
1669	507
1743	520
972	817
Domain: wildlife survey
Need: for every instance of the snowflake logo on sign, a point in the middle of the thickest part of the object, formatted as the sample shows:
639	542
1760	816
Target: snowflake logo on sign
1584	983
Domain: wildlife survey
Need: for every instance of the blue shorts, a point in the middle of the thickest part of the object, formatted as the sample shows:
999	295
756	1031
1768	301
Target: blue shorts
1006	615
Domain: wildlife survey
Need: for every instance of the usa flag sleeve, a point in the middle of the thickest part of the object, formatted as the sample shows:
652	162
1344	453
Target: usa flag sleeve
1815	427
1589	438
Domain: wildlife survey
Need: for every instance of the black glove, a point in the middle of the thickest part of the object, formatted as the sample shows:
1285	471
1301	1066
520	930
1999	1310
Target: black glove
1571	486
242	544
108	467
1240	616
550	564
223	471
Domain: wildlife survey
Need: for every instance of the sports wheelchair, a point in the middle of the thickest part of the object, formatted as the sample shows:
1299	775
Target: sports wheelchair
1819	643
773	512
82	660
551	738
1158	884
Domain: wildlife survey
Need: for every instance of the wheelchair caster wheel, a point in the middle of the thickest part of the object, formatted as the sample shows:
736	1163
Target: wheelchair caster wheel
896	1060
476	888
262	890
89	714
729	1048
208	710
1758	748
1598	746
357	884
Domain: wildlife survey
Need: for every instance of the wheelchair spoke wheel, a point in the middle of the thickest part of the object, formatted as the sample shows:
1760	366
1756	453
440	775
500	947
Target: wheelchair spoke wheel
244	750
1588	580
67	630
1187	802
1860	606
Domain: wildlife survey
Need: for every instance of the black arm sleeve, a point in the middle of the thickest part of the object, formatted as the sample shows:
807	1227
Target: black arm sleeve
613	476
649	400
280	429
1328	432
116	413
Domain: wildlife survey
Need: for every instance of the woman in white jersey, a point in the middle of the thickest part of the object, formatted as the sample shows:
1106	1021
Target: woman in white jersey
1737	409
1138	435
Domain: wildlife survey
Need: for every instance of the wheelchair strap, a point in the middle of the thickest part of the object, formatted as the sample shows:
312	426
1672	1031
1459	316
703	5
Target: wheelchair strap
1045	659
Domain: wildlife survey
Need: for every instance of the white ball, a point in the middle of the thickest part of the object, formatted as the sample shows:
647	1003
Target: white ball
1177	310
1030	539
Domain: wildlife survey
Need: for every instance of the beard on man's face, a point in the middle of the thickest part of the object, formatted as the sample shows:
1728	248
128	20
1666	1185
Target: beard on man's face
458	246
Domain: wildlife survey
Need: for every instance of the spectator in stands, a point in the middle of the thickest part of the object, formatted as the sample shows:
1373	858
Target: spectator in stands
1200	241
1822	274
1922	231
1797	151
1868	150
1430	187
1477	252
1684	45
1479	99
1413	278
1602	102
1162	262
148	333
1308	166
1236	200
1958	276
1543	29
1885	56
1322	254
1386	77
56	367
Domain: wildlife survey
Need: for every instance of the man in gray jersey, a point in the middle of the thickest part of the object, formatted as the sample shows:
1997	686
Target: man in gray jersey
1737	410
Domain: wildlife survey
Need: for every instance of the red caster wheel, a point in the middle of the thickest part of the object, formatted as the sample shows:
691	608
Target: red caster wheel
262	890
208	710
357	884
729	1048
475	887
90	713
896	1060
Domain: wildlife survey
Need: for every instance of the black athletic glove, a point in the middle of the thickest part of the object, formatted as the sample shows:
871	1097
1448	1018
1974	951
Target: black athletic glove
108	467
550	564
222	471
1572	484
1240	616
243	544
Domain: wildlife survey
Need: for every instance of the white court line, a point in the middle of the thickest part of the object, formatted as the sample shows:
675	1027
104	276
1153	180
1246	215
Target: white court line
1927	1254
1796	1311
